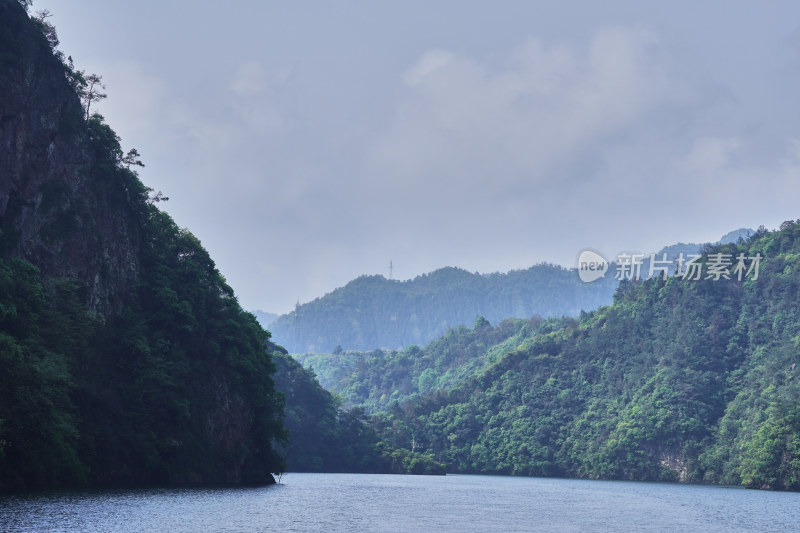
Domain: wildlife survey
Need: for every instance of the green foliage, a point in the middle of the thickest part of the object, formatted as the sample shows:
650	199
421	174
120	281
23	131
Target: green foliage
408	462
178	386
177	389
677	380
323	436
378	378
188	364
38	422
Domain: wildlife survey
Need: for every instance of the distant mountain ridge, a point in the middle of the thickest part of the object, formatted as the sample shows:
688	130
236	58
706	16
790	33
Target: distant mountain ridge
374	312
693	247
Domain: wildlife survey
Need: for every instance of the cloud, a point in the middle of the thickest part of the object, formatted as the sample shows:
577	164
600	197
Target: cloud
530	155
525	139
722	171
466	123
708	156
317	148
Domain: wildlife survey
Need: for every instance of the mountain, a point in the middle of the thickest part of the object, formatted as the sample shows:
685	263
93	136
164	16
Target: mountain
735	235
677	379
126	359
373	312
324	436
377	379
65	198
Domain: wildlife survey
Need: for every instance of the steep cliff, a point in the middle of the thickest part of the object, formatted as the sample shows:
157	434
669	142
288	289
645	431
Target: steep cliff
125	358
60	208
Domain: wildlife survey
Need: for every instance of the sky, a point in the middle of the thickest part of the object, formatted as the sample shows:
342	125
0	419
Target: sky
308	143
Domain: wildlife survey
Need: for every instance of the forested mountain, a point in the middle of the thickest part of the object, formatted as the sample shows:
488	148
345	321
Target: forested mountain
325	438
377	379
373	312
676	380
125	358
328	438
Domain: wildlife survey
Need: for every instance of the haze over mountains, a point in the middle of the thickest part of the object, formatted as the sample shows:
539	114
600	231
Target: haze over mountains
374	312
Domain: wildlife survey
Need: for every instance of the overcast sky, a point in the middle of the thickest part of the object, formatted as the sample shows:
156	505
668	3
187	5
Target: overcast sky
307	143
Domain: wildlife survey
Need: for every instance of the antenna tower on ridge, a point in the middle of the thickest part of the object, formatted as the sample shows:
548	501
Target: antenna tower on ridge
296	324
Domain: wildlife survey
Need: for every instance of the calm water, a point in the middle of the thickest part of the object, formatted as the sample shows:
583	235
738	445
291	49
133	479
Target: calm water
354	502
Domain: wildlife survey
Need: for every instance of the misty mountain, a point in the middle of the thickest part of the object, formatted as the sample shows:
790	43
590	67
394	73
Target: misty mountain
374	312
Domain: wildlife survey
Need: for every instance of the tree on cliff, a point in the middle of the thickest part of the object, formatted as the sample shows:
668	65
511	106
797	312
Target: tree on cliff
125	356
92	92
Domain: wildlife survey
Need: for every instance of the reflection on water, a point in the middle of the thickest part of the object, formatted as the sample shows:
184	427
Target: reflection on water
356	502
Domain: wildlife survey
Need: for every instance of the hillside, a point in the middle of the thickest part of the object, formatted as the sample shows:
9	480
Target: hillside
375	380
372	312
126	358
676	380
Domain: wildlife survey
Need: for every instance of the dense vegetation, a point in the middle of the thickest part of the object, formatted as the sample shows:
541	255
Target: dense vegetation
328	438
177	388
325	437
375	380
676	380
372	312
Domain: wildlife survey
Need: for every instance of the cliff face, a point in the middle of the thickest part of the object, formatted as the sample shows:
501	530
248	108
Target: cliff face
125	358
56	211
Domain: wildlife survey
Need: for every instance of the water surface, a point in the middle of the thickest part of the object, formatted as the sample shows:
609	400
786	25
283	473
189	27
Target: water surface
360	502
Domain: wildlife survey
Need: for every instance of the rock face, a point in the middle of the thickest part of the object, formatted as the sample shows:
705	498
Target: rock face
125	358
55	209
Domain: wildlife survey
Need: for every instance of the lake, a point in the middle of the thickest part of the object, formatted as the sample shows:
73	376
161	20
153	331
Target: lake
363	502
